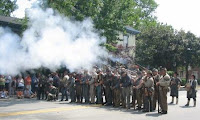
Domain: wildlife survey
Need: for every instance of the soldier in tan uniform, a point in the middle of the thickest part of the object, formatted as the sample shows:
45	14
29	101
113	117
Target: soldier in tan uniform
163	89
148	85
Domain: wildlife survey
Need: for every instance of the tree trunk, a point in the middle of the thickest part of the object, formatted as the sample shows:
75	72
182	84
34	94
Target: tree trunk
187	73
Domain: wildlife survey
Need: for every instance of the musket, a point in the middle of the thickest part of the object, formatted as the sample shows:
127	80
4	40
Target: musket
158	100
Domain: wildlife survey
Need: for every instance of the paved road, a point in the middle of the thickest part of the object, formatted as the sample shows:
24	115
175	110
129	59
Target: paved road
15	109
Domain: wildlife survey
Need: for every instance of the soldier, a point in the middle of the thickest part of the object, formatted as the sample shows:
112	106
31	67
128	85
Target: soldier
71	82
192	90
163	89
52	93
98	84
47	85
148	85
125	84
92	87
133	83
63	86
78	87
41	87
175	85
138	90
115	85
107	86
56	82
156	78
85	86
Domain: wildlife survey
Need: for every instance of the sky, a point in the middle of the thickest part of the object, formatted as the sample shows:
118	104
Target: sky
181	14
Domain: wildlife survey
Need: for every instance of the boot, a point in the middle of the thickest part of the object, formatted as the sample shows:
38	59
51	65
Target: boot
195	103
176	100
187	103
172	100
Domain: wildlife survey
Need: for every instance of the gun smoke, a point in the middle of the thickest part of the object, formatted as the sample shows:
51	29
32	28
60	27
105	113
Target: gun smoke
50	41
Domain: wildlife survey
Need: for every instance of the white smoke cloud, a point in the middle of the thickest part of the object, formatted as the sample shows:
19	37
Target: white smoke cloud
50	41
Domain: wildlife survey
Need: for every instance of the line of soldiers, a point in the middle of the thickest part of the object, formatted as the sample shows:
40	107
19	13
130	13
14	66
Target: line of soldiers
118	85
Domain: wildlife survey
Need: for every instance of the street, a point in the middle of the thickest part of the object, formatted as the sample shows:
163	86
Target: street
31	109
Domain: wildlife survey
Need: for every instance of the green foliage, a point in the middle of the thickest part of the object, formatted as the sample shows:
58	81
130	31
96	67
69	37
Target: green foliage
109	16
170	73
154	46
160	45
7	7
110	47
184	81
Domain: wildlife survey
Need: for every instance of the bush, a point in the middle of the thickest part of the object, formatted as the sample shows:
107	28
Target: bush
183	81
170	73
198	81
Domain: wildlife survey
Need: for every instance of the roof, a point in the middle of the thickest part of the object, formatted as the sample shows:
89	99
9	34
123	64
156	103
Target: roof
131	30
14	23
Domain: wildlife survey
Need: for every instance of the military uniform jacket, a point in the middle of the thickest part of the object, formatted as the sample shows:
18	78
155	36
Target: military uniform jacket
125	81
156	79
164	81
149	85
116	82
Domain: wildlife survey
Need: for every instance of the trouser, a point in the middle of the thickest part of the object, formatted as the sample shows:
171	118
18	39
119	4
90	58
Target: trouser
155	99
134	98
86	93
148	103
163	99
12	91
78	93
40	92
64	93
116	97
2	87
28	87
92	93
99	95
57	93
193	99
72	94
7	86
139	97
108	95
126	97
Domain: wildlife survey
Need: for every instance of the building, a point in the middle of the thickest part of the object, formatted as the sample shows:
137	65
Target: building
14	23
127	42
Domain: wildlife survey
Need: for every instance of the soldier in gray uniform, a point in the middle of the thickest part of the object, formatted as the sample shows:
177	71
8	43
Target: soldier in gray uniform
116	89
174	85
98	84
92	87
71	83
192	90
107	85
148	85
163	89
156	78
85	86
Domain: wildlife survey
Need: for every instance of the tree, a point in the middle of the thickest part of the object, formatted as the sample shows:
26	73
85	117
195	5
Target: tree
188	50
109	16
155	46
7	7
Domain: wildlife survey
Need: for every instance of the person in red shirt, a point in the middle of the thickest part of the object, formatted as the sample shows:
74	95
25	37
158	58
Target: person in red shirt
28	82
